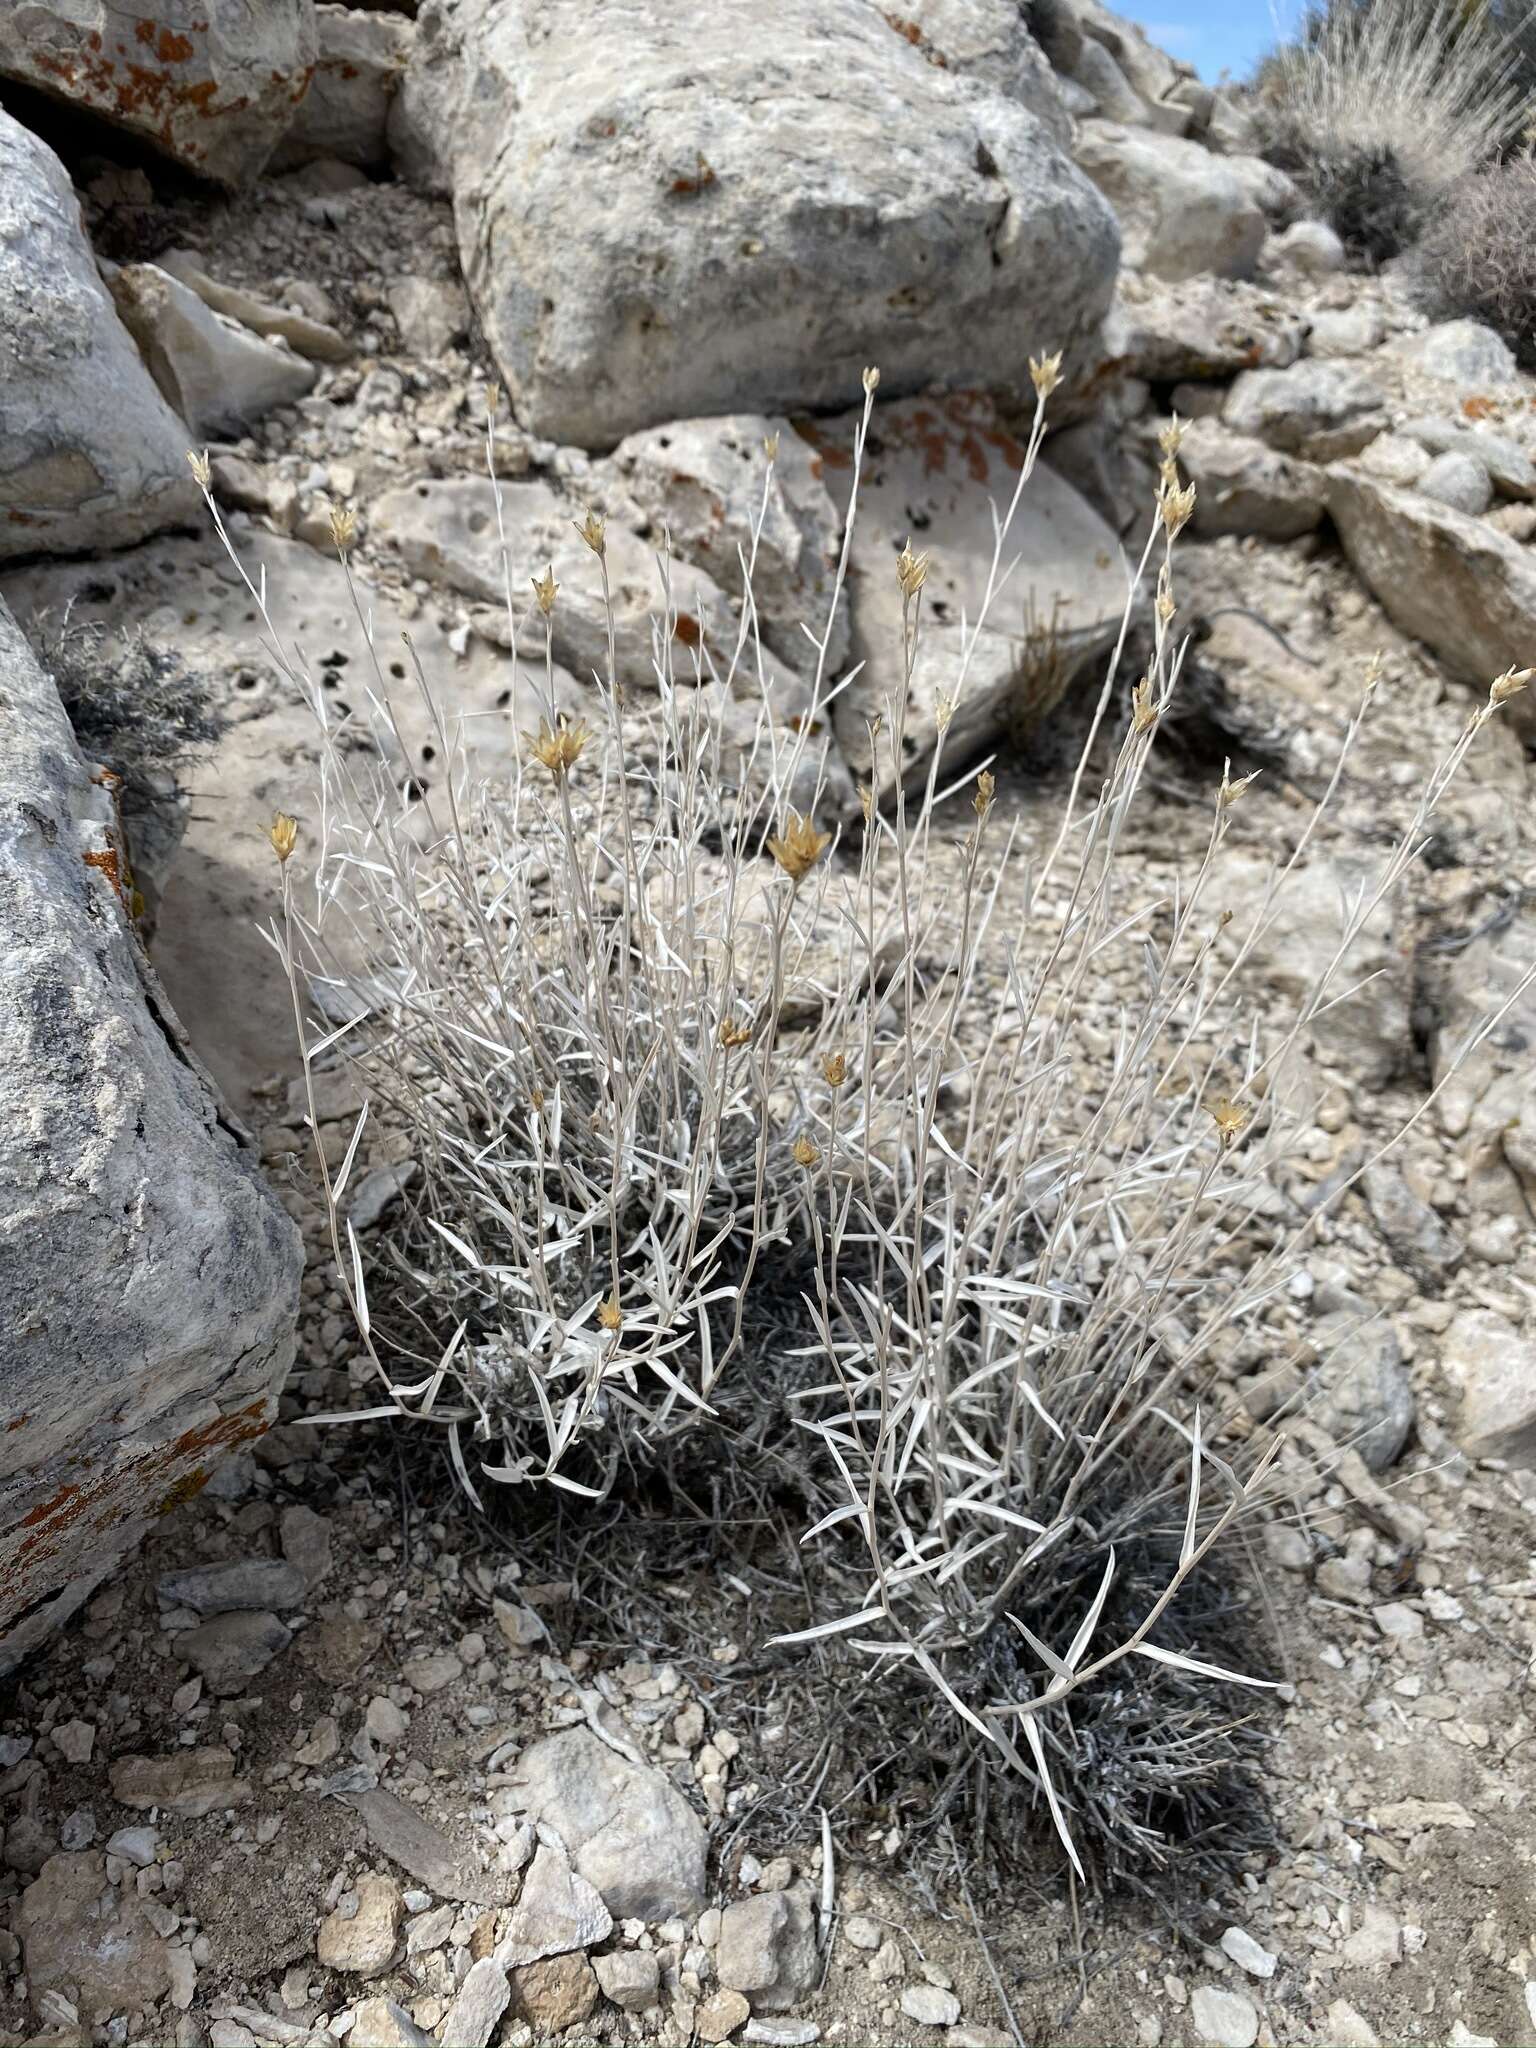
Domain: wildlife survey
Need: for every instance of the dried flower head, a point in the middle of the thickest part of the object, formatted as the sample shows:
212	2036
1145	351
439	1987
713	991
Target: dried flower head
544	589
1230	791
871	381
943	709
559	745
805	1153
608	1314
202	472
592	530
1228	1119
798	848
492	399
986	789
1176	507
1170	436
911	571
867	802
284	835
834	1069
771	447
343	527
536	1097
1045	373
1508	685
1143	710
733	1033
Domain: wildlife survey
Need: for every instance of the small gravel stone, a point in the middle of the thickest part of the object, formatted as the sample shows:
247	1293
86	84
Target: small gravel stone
1248	1955
1224	2017
629	1978
365	1943
930	2005
720	2015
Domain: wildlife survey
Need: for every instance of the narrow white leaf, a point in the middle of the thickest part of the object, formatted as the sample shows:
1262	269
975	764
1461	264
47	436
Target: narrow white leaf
1201	1670
1037	1750
1091	1619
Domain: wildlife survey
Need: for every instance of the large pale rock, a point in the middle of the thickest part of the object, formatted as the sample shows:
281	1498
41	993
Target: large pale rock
1487	1090
84	1939
1182	212
938	462
1320	410
345	113
630	1834
446	529
1362	1025
641	250
1492	1367
1206	329
1461	352
702	482
91	456
148	1279
1455	582
211	84
1241	486
768	1949
990	41
219	376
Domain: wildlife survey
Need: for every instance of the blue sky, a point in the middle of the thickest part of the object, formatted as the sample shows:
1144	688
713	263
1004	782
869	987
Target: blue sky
1213	34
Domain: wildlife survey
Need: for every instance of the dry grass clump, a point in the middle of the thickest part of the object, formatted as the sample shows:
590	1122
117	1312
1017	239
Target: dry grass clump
742	1135
1380	107
1478	257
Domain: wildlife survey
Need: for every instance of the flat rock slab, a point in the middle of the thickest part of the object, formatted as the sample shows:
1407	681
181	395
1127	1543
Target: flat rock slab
408	1838
212	84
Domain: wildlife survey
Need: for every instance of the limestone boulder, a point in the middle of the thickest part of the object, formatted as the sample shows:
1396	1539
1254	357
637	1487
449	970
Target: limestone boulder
640	250
345	114
1243	487
935	468
1182	211
91	456
212	84
148	1278
1453	581
219	376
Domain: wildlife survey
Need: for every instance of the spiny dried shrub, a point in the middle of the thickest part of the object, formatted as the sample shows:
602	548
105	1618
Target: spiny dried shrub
1478	258
1379	107
133	705
668	1052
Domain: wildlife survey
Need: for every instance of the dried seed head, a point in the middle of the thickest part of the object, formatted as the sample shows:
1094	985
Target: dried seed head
834	1069
734	1034
1143	710
771	447
1230	791
592	530
911	571
544	589
798	848
284	835
559	745
536	1097
871	381
943	710
1228	1119
343	527
608	1312
1166	608
1045	373
492	400
1508	685
867	802
806	1153
197	462
1170	436
986	789
1176	507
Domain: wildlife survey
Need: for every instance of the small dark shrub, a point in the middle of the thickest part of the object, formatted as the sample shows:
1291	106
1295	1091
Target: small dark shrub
1479	256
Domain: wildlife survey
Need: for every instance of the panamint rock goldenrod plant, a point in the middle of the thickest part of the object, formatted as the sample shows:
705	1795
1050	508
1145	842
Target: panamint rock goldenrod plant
682	1062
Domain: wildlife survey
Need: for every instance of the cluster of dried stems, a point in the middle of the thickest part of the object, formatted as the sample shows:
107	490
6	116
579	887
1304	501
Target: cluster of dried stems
1420	92
657	1037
